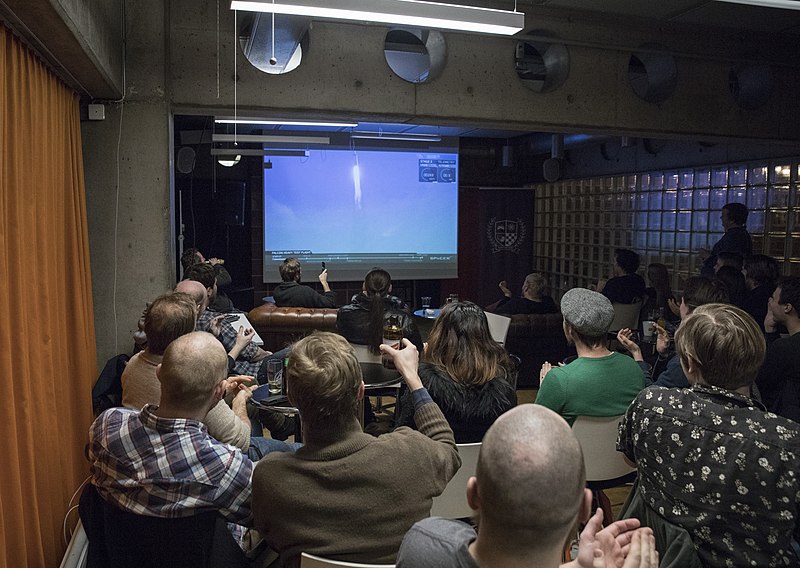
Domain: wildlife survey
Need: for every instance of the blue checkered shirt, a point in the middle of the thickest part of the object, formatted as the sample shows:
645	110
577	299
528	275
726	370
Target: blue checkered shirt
227	337
164	467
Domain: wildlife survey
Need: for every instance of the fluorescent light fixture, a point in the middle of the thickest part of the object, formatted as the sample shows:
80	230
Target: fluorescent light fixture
280	122
399	137
786	4
417	13
267	139
229	162
257	152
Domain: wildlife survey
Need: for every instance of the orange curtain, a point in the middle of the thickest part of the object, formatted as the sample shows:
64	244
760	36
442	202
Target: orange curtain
47	346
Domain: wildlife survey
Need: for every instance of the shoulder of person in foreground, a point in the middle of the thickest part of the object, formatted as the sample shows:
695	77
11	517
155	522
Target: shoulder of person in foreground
435	542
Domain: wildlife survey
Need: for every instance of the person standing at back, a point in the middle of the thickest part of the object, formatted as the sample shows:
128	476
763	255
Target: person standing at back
736	238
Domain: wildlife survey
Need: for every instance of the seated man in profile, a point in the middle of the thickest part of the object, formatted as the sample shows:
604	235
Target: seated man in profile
528	491
779	378
127	448
347	495
291	294
710	458
625	286
599	382
533	300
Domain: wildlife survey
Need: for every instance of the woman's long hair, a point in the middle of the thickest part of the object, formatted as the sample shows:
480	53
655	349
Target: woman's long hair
461	345
658	276
376	285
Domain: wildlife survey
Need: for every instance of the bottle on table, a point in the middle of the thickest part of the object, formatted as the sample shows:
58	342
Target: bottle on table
392	336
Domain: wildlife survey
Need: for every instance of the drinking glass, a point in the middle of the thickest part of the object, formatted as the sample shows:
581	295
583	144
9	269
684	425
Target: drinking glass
275	377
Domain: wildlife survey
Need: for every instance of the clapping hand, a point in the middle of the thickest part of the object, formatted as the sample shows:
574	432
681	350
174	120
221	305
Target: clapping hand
622	544
662	342
624	337
544	370
504	289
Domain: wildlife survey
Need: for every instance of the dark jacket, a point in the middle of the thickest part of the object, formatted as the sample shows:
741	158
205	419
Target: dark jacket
735	239
352	320
625	289
757	303
296	295
470	409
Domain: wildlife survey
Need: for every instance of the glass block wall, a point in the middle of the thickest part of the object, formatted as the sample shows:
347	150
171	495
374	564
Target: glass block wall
666	216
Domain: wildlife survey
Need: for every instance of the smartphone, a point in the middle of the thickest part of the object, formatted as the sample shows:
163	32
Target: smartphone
323	265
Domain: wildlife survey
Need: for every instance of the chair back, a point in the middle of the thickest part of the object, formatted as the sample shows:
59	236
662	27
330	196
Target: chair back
626	315
452	503
498	327
311	561
364	355
123	539
598	439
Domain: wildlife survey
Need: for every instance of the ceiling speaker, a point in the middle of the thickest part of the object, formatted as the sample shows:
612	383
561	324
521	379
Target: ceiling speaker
552	169
185	160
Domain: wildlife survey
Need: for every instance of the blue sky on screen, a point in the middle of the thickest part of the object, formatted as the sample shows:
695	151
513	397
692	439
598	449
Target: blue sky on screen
313	203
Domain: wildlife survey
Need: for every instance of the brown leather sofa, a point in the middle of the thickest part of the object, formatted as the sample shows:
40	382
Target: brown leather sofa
536	338
279	327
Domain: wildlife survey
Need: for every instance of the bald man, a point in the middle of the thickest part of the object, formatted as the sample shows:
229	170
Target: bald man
529	490
127	447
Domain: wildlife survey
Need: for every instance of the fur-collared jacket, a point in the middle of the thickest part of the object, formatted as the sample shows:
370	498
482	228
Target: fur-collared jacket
470	409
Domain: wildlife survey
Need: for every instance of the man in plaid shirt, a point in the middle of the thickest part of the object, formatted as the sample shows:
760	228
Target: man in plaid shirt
160	461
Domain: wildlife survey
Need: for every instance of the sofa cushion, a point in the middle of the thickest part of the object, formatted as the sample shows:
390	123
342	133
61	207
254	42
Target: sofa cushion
279	327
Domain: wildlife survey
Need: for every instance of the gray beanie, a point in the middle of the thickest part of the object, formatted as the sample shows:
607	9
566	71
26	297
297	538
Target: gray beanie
590	313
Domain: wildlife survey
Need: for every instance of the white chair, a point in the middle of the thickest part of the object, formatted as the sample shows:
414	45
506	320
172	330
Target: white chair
311	561
498	327
452	503
626	316
605	466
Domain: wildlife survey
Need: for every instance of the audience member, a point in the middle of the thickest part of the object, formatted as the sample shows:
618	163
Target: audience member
599	382
779	378
698	291
466	372
709	458
528	491
127	448
361	321
167	318
659	294
761	274
533	300
625	286
249	360
290	293
733	259
222	303
347	495
735	284
736	238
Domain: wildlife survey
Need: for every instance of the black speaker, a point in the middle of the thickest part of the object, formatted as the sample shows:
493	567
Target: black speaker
233	199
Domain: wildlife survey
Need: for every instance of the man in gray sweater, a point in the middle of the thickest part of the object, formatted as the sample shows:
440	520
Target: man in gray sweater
347	495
